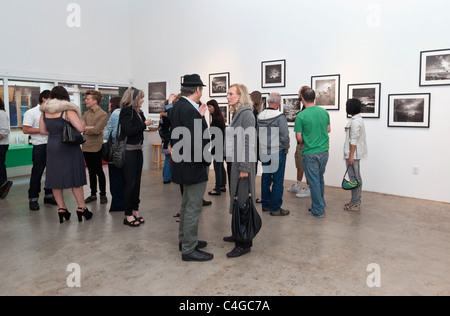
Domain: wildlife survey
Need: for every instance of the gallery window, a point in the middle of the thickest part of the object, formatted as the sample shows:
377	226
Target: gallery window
108	93
77	94
23	95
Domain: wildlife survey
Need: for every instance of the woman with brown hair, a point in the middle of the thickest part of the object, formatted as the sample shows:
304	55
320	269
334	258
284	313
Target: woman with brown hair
256	97
65	162
218	121
115	174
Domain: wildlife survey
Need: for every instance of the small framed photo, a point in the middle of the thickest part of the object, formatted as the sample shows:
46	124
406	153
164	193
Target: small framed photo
369	94
327	91
435	68
273	73
219	84
264	97
409	110
157	96
225	111
290	106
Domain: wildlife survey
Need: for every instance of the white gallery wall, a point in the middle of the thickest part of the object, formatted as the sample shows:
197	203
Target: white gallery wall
69	40
363	41
144	41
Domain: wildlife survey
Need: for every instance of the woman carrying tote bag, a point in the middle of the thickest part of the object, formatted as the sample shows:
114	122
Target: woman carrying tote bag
243	160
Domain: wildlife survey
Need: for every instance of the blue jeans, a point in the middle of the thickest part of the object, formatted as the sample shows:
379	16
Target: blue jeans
272	187
314	168
167	169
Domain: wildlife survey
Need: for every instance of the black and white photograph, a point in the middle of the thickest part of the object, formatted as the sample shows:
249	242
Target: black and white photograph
219	84
290	106
327	91
369	94
157	92
435	67
273	73
225	112
264	97
409	110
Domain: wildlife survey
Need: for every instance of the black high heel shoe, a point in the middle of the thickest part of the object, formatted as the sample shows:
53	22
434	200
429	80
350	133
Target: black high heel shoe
63	215
85	212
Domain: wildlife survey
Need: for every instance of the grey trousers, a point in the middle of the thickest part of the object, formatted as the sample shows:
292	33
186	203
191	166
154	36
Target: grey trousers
191	209
356	193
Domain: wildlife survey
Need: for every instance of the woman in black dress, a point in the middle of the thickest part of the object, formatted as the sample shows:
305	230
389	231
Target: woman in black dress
65	163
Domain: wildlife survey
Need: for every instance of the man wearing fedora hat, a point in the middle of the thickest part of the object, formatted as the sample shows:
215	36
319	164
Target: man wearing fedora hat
189	168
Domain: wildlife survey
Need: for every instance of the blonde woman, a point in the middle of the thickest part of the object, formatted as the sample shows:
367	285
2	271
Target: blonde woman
242	156
132	125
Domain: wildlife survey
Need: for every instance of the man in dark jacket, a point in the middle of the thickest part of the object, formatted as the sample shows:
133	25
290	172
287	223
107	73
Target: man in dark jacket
191	159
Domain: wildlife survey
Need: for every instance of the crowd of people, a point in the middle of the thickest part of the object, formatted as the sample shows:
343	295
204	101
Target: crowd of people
190	146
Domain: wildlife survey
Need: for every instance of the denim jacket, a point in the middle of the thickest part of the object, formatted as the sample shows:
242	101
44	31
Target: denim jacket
111	127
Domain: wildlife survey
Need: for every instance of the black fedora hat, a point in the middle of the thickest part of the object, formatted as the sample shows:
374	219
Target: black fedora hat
192	81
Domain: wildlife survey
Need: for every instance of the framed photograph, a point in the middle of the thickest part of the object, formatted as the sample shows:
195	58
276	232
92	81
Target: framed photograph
290	106
219	84
273	73
225	111
157	95
369	94
327	91
435	68
264	97
409	110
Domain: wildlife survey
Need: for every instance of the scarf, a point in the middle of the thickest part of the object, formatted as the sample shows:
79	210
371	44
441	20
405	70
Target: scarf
52	106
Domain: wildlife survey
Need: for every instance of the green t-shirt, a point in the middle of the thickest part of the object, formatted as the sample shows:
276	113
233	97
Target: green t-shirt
313	123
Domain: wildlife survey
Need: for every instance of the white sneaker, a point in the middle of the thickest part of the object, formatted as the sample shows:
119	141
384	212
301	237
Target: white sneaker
294	189
303	193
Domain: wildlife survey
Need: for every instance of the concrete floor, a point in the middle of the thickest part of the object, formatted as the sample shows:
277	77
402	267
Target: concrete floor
408	239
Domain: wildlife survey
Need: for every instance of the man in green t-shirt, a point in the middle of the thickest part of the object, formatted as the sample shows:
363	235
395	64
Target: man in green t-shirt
312	126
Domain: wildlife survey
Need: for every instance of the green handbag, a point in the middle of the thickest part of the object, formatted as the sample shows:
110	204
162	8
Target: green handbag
352	183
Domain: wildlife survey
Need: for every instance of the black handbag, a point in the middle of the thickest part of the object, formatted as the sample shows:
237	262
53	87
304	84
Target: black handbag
246	221
107	150
70	135
119	149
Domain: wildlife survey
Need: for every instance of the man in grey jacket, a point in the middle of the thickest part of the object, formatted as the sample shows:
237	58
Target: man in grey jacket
273	133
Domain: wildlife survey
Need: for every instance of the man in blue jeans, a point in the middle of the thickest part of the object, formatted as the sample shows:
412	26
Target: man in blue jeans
273	134
312	126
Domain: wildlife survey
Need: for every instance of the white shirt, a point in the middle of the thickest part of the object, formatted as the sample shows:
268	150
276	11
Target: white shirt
31	118
355	134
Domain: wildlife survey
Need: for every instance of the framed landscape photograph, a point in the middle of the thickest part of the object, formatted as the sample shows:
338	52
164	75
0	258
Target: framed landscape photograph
369	94
290	106
273	73
327	91
435	68
409	110
157	92
219	84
